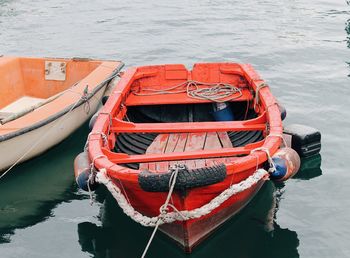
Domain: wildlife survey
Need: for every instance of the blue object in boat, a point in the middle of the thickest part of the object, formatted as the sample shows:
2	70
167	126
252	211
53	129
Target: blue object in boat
223	112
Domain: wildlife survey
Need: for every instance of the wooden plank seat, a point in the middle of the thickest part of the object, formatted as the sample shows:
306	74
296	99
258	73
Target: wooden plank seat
5	114
187	142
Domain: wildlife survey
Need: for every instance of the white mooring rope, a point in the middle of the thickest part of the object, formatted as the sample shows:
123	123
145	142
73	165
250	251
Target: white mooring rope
183	215
164	208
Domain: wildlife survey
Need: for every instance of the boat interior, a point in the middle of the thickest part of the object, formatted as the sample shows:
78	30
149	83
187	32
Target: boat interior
172	125
141	143
25	82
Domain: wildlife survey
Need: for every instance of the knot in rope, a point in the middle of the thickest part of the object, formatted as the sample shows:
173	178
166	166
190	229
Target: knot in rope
163	210
85	99
174	170
92	178
269	158
103	135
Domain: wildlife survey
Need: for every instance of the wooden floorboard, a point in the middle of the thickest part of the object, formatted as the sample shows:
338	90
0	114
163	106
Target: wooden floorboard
186	142
195	142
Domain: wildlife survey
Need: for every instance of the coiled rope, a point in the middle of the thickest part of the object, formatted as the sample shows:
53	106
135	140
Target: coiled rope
216	92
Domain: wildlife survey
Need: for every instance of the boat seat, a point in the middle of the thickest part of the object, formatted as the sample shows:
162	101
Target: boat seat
5	114
21	104
183	142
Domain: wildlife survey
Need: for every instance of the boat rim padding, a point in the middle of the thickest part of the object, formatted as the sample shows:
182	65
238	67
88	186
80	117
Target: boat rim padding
64	111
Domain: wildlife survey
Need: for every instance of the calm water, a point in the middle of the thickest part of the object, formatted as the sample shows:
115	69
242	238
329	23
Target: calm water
300	47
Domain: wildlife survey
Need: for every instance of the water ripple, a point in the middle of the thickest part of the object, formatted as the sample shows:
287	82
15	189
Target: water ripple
300	47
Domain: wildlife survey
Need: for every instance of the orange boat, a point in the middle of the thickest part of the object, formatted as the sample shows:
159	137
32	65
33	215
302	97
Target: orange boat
185	150
43	100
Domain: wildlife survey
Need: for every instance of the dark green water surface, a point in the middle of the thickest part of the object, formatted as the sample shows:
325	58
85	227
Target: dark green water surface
301	48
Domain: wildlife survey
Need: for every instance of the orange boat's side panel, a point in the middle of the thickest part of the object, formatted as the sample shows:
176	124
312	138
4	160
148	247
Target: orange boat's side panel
33	71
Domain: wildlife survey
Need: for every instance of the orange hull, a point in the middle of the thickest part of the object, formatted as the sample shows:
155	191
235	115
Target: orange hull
38	92
137	133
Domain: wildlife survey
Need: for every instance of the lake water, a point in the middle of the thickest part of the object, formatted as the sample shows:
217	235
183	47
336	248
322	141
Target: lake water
300	47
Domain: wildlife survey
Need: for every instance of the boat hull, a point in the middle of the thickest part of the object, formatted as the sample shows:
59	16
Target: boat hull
189	234
46	136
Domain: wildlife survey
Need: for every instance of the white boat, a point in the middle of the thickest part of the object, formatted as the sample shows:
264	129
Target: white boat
43	100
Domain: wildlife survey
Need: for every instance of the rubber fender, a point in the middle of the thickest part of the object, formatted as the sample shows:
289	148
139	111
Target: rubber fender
104	99
287	163
82	172
281	168
283	111
186	178
93	121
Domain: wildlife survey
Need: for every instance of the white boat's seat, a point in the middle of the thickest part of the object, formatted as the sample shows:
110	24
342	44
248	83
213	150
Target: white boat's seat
21	104
5	114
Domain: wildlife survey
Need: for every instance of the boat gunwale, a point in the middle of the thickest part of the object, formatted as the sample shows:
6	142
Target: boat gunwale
70	107
116	103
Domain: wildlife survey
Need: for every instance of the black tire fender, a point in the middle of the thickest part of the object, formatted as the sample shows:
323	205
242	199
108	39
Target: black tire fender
186	178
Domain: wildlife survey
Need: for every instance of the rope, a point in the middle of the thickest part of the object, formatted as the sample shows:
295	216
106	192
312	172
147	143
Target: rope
280	136
216	92
92	176
85	98
257	97
103	135
269	158
41	138
163	210
169	217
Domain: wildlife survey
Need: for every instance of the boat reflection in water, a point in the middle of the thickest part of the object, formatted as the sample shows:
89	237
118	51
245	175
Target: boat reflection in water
310	168
34	188
252	233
